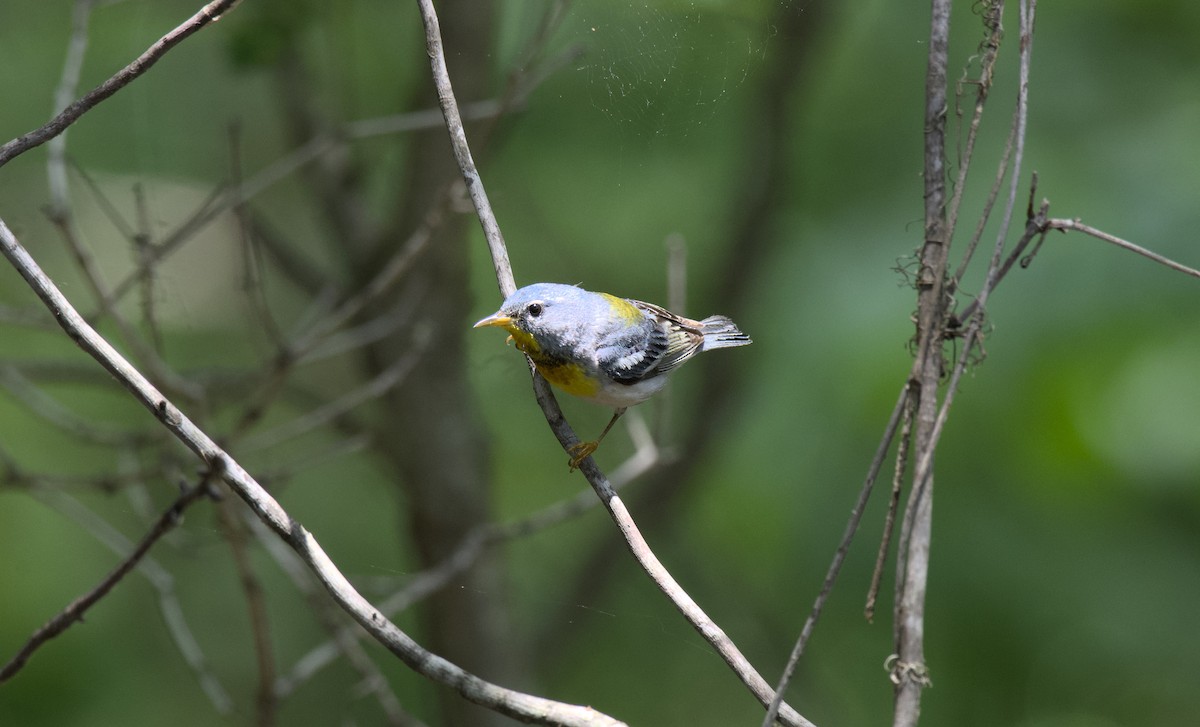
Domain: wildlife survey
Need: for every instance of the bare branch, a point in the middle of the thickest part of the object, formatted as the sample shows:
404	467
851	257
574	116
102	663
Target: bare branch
77	608
265	700
475	543
49	492
345	640
889	521
931	310
56	158
387	379
839	556
562	430
993	14
145	355
1077	226
44	406
225	199
462	152
907	666
506	701
208	14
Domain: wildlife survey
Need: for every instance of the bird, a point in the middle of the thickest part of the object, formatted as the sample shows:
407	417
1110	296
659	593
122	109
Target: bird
613	351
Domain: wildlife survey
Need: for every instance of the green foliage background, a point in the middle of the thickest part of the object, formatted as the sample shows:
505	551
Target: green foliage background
1066	554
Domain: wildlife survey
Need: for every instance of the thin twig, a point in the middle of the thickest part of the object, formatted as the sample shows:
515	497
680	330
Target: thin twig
506	701
1077	226
208	14
328	323
46	407
469	550
34	318
234	532
1035	227
1027	9
226	199
50	493
144	247
922	469
145	355
462	152
371	330
387	379
908	670
383	282
77	608
562	430
839	556
889	521
344	640
993	14
56	156
254	276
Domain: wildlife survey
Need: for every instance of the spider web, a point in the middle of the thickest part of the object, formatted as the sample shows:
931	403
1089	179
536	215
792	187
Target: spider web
664	68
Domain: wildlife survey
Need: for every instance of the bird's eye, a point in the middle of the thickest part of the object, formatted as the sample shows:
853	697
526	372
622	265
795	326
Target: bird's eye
534	310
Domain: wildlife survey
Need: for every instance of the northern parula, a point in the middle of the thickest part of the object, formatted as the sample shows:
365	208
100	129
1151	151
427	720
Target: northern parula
613	351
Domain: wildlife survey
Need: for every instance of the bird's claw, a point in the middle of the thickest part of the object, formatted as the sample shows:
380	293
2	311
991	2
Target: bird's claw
580	452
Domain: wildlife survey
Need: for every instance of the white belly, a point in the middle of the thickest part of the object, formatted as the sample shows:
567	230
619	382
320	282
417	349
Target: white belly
620	396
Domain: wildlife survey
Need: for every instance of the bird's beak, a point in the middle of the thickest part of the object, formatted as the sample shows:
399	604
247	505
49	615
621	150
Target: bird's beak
496	319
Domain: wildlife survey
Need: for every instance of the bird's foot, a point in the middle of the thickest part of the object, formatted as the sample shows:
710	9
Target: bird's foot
580	452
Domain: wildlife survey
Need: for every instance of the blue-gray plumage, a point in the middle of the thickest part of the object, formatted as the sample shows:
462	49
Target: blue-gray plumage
614	351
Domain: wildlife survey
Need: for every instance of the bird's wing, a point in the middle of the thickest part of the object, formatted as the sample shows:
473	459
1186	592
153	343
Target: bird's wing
679	338
630	356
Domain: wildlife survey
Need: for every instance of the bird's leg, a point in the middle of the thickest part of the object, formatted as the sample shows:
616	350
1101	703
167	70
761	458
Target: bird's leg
583	450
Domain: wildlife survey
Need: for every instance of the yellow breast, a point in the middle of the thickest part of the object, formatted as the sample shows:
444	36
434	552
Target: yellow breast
567	376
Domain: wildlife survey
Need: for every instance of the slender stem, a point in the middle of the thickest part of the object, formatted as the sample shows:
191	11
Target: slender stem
462	151
56	159
77	608
1077	226
931	309
889	522
839	556
208	14
506	701
554	417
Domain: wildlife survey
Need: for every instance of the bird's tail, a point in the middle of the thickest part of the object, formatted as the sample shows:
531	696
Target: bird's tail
720	332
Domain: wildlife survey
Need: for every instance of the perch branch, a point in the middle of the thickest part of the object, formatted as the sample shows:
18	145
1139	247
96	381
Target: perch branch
474	545
506	701
558	424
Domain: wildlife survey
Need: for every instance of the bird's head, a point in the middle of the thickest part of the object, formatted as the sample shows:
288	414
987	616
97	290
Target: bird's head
544	317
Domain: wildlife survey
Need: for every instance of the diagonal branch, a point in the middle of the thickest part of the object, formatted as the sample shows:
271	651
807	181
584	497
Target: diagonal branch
462	151
1078	226
207	15
77	608
839	558
50	493
473	546
506	701
554	417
